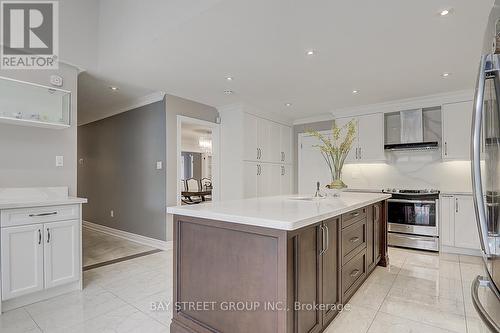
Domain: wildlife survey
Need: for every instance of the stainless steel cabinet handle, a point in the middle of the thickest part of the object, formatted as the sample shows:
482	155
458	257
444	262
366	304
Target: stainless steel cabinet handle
322	227
354	273
446	148
257	153
412	201
477	120
490	322
456	205
42	214
360	152
327	238
284	156
48	235
39	237
354	239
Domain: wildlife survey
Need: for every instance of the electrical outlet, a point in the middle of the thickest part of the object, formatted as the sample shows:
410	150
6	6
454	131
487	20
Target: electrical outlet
159	165
112	213
59	161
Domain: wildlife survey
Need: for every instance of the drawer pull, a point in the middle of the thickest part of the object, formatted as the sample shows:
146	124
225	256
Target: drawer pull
48	235
355	272
39	237
355	214
354	239
42	214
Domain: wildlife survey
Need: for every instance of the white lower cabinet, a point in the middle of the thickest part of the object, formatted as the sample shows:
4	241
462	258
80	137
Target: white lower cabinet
22	260
458	227
61	253
266	179
40	253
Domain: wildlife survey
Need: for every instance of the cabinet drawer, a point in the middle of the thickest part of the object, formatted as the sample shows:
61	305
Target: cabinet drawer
352	217
353	240
24	216
353	275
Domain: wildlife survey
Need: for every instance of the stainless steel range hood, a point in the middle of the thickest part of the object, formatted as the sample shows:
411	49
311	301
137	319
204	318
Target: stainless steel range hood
405	130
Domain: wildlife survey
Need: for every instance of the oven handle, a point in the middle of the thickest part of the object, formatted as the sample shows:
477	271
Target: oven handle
412	201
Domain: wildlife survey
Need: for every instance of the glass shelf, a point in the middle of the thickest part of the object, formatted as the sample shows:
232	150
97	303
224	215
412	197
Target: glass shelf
29	104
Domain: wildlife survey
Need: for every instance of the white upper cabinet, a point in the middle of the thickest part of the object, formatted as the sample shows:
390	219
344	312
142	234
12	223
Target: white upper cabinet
274	142
286	144
250	142
371	137
28	104
369	143
264	128
457	120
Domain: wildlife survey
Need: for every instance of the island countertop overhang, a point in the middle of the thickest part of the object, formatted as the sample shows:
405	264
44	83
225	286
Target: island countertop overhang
280	212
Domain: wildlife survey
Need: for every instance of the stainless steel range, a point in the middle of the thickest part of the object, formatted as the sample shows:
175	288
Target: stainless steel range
413	218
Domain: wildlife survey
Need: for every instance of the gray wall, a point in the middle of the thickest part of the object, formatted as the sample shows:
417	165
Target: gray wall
177	106
28	154
119	171
297	129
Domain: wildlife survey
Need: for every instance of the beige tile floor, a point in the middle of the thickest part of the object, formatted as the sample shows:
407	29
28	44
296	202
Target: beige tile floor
99	247
419	292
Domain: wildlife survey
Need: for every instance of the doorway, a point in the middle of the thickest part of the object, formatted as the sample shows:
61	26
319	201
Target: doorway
197	161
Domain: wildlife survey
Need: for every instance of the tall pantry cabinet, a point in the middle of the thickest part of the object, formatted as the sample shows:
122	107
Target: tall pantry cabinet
256	155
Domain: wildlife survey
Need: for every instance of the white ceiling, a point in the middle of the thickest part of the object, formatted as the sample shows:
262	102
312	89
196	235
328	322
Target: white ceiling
386	49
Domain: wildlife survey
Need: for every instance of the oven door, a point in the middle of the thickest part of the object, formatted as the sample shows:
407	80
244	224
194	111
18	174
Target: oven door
413	216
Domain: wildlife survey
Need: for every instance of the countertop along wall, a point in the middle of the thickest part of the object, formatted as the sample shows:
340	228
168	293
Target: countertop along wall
28	154
411	169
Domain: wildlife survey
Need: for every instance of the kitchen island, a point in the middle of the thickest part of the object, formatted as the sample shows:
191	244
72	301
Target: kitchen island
275	264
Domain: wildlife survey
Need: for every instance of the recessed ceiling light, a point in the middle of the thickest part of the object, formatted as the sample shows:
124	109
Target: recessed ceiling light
355	91
444	12
228	92
445	74
113	88
311	52
288	105
229	78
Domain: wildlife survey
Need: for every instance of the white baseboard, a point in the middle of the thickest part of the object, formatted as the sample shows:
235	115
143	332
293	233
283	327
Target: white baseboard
460	250
156	243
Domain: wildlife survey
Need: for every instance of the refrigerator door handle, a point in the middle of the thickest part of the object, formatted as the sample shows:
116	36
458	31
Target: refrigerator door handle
492	325
476	156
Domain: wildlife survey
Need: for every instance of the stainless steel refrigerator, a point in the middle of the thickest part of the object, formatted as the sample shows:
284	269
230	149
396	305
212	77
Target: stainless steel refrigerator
485	155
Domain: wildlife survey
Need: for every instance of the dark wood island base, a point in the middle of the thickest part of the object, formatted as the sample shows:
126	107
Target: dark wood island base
236	278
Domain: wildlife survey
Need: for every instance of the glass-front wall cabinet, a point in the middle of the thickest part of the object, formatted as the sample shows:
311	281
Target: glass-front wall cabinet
28	104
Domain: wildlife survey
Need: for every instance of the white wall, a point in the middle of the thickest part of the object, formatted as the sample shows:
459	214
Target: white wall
27	154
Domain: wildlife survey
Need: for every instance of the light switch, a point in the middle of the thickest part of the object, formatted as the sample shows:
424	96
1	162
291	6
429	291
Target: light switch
159	165
59	161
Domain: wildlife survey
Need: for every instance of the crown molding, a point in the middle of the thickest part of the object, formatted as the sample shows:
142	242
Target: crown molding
407	103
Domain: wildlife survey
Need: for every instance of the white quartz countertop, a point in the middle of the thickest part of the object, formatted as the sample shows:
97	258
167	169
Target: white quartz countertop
24	197
9	204
281	212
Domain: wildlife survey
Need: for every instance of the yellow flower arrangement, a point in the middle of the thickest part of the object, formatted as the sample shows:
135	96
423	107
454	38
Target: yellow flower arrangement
335	149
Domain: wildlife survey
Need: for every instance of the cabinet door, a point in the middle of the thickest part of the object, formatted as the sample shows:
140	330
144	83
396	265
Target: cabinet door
268	183
370	241
286	179
457	119
250	175
377	232
330	270
274	142
22	260
61	253
352	155
466	234
371	137
264	139
447	220
250	152
306	247
286	144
